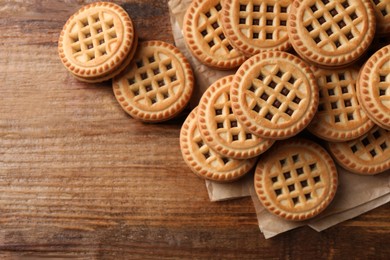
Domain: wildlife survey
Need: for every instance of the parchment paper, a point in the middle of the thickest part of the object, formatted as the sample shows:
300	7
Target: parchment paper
356	194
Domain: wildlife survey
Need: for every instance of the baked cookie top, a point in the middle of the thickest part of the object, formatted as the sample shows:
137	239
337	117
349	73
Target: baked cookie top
257	25
274	95
339	115
219	126
205	38
296	179
96	40
374	87
367	155
204	161
158	83
331	33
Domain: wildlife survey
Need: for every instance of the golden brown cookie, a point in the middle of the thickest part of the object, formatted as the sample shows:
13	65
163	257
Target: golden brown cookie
204	36
374	87
158	83
331	33
96	41
274	95
253	26
367	155
296	179
339	115
219	126
382	14
203	161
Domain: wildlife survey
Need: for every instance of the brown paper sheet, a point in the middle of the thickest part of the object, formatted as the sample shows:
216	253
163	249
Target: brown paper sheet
356	194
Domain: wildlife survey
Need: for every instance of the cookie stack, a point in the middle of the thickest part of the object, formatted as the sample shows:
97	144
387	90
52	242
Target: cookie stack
333	82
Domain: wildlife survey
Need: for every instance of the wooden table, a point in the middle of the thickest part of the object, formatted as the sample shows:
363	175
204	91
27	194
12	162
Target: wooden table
80	178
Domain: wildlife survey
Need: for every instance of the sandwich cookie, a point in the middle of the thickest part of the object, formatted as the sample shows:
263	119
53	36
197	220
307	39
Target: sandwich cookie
97	42
205	162
204	36
339	115
253	26
296	179
274	95
158	83
220	128
331	33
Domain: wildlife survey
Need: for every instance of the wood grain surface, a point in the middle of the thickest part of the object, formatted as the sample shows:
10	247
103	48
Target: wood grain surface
79	178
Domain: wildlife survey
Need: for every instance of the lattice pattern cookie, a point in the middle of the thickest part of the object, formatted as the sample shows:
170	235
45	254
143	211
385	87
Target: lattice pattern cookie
274	95
367	155
203	161
219	126
296	179
205	38
339	116
331	33
374	87
158	83
382	13
257	25
97	42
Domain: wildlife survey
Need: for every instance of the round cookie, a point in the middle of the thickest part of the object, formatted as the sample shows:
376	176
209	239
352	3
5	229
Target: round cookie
96	41
366	155
158	83
257	25
203	161
219	126
339	115
296	179
374	87
204	36
274	95
382	14
331	33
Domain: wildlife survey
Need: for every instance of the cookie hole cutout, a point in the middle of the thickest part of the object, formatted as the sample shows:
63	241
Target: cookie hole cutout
313	166
242	8
256	22
353	16
299	171
218	112
345	4
268	36
376	134
270	9
291	187
283	22
307	196
264	96
321	107
278	192
272	84
256	8
344	90
373	153
269	116
354	148
382	92
365	141
274	179
287	175
313	8
235	137
282	162
341	24
295	158
347	103
218	7
200	144
295	200
382	78
242	21
333	12
289	111
317	179
225	160
130	81
222	36
233	124
331	92
277	103
304	184
383	146
207	155
321	20
350	117
256	108
309	28
248	136
296	100
336	118
283	9
219	125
